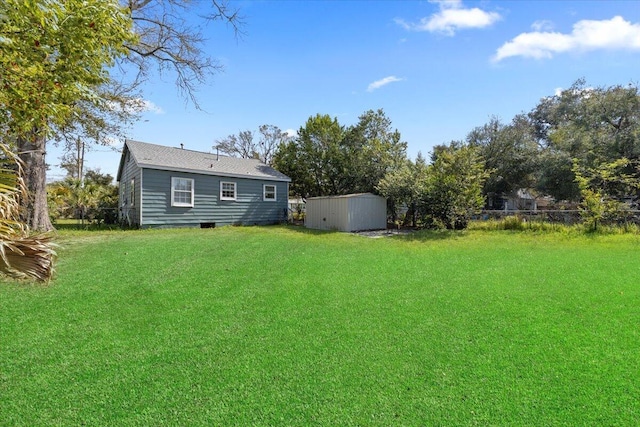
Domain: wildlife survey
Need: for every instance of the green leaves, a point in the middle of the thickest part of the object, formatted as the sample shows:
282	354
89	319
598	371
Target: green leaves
453	191
596	126
601	189
328	159
56	54
445	193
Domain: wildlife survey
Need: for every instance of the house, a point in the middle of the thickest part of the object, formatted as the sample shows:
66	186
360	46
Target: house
163	186
522	199
352	212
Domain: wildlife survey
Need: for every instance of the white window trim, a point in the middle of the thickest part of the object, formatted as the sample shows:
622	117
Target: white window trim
173	189
264	193
235	190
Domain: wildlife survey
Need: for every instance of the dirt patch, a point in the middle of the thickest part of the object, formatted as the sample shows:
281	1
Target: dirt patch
375	234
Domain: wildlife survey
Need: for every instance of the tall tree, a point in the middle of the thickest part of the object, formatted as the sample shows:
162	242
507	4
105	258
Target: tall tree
54	56
319	153
328	159
238	145
170	41
595	126
55	63
511	156
244	145
314	160
373	148
452	193
404	187
271	137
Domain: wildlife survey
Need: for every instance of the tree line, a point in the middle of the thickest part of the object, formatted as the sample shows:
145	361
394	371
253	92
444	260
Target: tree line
581	146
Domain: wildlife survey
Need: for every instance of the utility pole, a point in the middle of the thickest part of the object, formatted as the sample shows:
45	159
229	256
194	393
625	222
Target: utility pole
80	159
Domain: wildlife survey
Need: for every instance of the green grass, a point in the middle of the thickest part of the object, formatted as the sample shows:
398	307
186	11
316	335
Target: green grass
283	326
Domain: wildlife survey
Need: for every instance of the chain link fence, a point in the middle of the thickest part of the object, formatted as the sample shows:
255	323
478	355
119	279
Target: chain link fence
567	217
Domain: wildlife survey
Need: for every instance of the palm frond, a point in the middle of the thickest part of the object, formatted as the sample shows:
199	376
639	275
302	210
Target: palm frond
21	255
28	258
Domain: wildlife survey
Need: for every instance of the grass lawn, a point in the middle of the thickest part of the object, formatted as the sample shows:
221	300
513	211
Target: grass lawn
282	326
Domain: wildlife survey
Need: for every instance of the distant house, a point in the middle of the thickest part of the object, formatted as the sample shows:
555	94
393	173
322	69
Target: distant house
352	212
522	199
173	187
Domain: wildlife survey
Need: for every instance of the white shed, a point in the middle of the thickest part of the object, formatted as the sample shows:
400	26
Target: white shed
353	212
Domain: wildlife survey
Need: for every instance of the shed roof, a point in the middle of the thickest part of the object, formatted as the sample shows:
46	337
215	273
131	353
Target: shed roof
153	156
346	196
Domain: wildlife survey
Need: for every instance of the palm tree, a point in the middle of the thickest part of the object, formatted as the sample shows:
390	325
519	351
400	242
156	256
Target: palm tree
21	255
80	199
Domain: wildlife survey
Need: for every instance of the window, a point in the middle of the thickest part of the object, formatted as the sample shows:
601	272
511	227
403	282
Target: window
269	193
182	192
132	192
227	190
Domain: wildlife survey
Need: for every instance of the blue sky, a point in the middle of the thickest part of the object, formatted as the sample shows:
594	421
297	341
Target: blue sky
437	68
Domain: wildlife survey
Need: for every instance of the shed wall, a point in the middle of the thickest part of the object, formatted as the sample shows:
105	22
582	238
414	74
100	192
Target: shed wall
327	213
347	213
367	212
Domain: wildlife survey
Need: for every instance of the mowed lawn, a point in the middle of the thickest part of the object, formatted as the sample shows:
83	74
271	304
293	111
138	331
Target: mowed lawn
282	326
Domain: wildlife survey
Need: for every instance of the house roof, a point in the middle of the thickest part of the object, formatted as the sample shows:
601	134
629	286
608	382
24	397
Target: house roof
153	156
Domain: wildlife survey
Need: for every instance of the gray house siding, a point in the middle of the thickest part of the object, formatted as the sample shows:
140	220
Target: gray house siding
146	175
248	208
129	213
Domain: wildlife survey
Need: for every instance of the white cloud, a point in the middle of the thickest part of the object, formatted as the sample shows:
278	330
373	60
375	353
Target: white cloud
291	132
453	16
612	34
382	82
148	106
542	25
136	105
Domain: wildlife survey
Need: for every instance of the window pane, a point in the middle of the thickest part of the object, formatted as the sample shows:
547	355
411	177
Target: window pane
182	191
270	192
183	184
183	197
228	190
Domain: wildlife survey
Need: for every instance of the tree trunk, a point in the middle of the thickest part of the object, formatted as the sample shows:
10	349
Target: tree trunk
410	216
35	210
